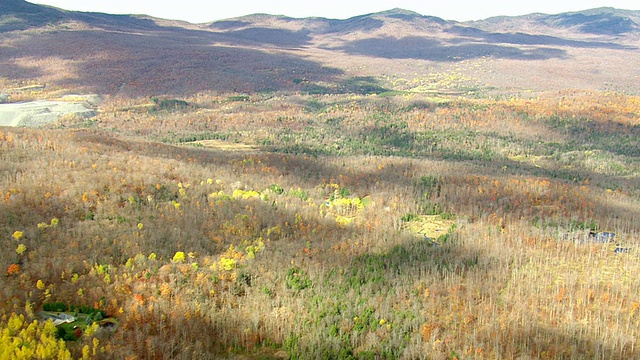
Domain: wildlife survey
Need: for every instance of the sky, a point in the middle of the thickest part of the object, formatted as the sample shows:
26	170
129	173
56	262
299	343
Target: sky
200	11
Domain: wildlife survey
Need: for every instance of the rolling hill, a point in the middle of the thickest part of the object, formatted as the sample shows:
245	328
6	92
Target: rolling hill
127	55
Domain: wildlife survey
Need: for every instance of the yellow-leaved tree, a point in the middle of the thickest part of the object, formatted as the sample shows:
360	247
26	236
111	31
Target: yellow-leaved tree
21	340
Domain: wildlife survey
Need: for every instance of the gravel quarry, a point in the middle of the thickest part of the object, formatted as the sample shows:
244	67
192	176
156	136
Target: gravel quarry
43	112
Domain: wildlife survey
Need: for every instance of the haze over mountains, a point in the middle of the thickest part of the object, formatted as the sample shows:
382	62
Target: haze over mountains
129	55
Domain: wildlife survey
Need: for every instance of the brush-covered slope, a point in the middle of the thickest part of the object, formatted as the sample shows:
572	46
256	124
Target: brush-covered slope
20	15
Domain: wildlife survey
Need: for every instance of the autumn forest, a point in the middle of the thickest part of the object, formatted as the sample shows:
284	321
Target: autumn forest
275	188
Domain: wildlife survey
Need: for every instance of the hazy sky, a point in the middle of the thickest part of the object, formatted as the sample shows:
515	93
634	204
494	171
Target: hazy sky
198	11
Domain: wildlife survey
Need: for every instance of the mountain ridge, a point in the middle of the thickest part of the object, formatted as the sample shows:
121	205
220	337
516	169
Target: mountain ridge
606	21
598	21
142	55
20	14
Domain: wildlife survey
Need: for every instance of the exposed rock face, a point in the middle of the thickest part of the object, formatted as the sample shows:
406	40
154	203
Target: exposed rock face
42	112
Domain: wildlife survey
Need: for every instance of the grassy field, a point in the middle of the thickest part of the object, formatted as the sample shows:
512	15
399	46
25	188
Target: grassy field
329	227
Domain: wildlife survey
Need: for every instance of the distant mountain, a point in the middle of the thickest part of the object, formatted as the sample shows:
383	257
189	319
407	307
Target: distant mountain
604	21
254	26
601	21
134	55
22	15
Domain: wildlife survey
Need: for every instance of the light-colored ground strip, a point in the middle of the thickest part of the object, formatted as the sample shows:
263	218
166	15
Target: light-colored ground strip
223	145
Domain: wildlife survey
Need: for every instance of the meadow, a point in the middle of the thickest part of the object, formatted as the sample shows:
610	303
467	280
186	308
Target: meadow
357	225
